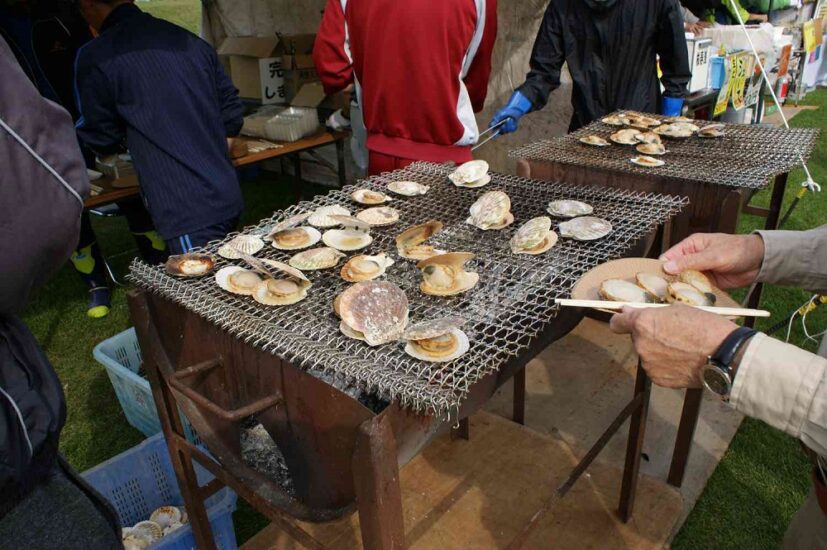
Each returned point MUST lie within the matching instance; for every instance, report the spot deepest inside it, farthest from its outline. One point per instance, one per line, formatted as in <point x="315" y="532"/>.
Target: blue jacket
<point x="159" y="90"/>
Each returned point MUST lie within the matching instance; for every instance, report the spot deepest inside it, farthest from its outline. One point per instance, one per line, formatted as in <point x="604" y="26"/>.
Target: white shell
<point x="482" y="182"/>
<point x="649" y="137"/>
<point x="625" y="137"/>
<point x="369" y="196"/>
<point x="698" y="280"/>
<point x="190" y="264"/>
<point x="595" y="141"/>
<point x="222" y="278"/>
<point x="712" y="131"/>
<point x="349" y="222"/>
<point x="345" y="329"/>
<point x="377" y="309"/>
<point x="569" y="209"/>
<point x="409" y="242"/>
<point x="248" y="244"/>
<point x="676" y="130"/>
<point x="619" y="290"/>
<point x="148" y="529"/>
<point x="647" y="162"/>
<point x="379" y="216"/>
<point x="688" y="294"/>
<point x="586" y="228"/>
<point x="469" y="173"/>
<point x="445" y="275"/>
<point x="491" y="211"/>
<point x="355" y="270"/>
<point x="534" y="237"/>
<point x="316" y="258"/>
<point x="346" y="239"/>
<point x="653" y="284"/>
<point x="463" y="345"/>
<point x="321" y="217"/>
<point x="282" y="272"/>
<point x="290" y="222"/>
<point x="651" y="149"/>
<point x="433" y="328"/>
<point x="615" y="120"/>
<point x="407" y="188"/>
<point x="313" y="236"/>
<point x="166" y="515"/>
<point x="135" y="542"/>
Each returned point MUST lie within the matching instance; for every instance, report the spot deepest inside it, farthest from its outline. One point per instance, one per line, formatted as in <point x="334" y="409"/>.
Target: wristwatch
<point x="717" y="374"/>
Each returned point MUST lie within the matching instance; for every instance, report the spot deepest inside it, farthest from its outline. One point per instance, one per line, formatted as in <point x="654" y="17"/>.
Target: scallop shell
<point x="626" y="137"/>
<point x="444" y="275"/>
<point x="316" y="258"/>
<point x="656" y="286"/>
<point x="491" y="211"/>
<point x="643" y="121"/>
<point x="458" y="339"/>
<point x="672" y="119"/>
<point x="148" y="529"/>
<point x="712" y="131"/>
<point x="379" y="216"/>
<point x="699" y="281"/>
<point x="569" y="208"/>
<point x="687" y="294"/>
<point x="295" y="238"/>
<point x="244" y="284"/>
<point x="377" y="309"/>
<point x="648" y="137"/>
<point x="289" y="285"/>
<point x="172" y="527"/>
<point x="365" y="268"/>
<point x="594" y="140"/>
<point x="190" y="265"/>
<point x="346" y="239"/>
<point x="248" y="244"/>
<point x="651" y="149"/>
<point x="369" y="196"/>
<point x="469" y="174"/>
<point x="409" y="242"/>
<point x="677" y="130"/>
<point x="619" y="290"/>
<point x="166" y="515"/>
<point x="289" y="223"/>
<point x="135" y="542"/>
<point x="433" y="328"/>
<point x="321" y="217"/>
<point x="615" y="120"/>
<point x="647" y="162"/>
<point x="534" y="237"/>
<point x="585" y="228"/>
<point x="350" y="332"/>
<point x="407" y="188"/>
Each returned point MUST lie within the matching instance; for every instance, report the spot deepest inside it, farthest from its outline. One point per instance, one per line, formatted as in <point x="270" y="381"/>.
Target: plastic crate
<point x="138" y="481"/>
<point x="121" y="356"/>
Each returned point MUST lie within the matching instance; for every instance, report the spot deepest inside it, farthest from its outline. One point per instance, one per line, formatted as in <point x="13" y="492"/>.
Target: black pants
<point x="199" y="238"/>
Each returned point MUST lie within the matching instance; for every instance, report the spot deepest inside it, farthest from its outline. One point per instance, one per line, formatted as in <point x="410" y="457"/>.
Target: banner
<point x="723" y="94"/>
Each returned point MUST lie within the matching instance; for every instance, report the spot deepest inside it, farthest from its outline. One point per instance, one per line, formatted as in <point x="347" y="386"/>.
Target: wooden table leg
<point x="634" y="445"/>
<point x="462" y="429"/>
<point x="686" y="431"/>
<point x="518" y="415"/>
<point x="376" y="479"/>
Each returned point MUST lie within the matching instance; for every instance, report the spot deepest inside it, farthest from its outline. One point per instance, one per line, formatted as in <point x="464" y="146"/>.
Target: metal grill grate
<point x="746" y="156"/>
<point x="513" y="302"/>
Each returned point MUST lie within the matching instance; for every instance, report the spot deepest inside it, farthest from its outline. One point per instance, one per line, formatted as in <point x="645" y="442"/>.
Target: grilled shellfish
<point x="615" y="120"/>
<point x="711" y="131"/>
<point x="316" y="258"/>
<point x="685" y="293"/>
<point x="699" y="281"/>
<point x="364" y="268"/>
<point x="246" y="244"/>
<point x="656" y="286"/>
<point x="648" y="137"/>
<point x="626" y="137"/>
<point x="619" y="290"/>
<point x="677" y="130"/>
<point x="190" y="264"/>
<point x="569" y="209"/>
<point x="444" y="275"/>
<point x="491" y="211"/>
<point x="646" y="161"/>
<point x="379" y="216"/>
<point x="290" y="222"/>
<point x="288" y="286"/>
<point x="651" y="149"/>
<point x="409" y="242"/>
<point x="534" y="237"/>
<point x="237" y="280"/>
<point x="438" y="341"/>
<point x="354" y="236"/>
<point x="375" y="310"/>
<point x="322" y="219"/>
<point x="368" y="196"/>
<point x="407" y="188"/>
<point x="585" y="228"/>
<point x="594" y="140"/>
<point x="473" y="173"/>
<point x="295" y="238"/>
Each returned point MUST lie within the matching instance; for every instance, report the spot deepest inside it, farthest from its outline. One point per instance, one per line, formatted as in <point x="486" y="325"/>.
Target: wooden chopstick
<point x="603" y="304"/>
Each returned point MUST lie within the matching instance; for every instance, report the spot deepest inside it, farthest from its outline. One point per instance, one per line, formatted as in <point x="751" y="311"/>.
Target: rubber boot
<point x="151" y="247"/>
<point x="89" y="264"/>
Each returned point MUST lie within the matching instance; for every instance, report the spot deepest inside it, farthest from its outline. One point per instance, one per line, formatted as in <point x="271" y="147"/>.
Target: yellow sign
<point x="741" y="69"/>
<point x="809" y="32"/>
<point x="723" y="94"/>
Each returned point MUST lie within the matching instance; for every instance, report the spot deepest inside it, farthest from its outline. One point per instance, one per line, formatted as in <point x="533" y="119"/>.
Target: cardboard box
<point x="270" y="69"/>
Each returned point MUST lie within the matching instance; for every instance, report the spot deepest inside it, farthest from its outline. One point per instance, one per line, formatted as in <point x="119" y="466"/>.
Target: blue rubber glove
<point x="513" y="111"/>
<point x="671" y="106"/>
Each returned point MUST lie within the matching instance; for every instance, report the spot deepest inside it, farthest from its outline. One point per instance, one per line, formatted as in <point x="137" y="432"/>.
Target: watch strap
<point x="728" y="349"/>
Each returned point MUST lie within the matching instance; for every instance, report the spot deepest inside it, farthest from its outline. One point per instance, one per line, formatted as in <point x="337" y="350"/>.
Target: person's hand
<point x="511" y="113"/>
<point x="673" y="342"/>
<point x="694" y="28"/>
<point x="731" y="261"/>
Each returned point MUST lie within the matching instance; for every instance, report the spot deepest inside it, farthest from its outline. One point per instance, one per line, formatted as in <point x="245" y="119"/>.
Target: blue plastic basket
<point x="121" y="357"/>
<point x="138" y="481"/>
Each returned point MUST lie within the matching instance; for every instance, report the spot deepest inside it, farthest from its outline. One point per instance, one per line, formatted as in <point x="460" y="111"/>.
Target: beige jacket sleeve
<point x="779" y="383"/>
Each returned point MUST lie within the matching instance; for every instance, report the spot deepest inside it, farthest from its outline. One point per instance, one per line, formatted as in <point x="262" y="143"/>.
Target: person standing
<point x="160" y="91"/>
<point x="420" y="71"/>
<point x="611" y="48"/>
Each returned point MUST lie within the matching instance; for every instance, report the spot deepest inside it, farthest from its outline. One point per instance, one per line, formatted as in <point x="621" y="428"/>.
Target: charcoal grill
<point x="717" y="175"/>
<point x="224" y="358"/>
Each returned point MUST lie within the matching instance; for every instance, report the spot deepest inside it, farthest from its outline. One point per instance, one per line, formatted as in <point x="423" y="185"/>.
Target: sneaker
<point x="100" y="302"/>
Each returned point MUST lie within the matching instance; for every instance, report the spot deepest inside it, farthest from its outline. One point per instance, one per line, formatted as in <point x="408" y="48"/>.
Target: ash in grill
<point x="511" y="305"/>
<point x="745" y="156"/>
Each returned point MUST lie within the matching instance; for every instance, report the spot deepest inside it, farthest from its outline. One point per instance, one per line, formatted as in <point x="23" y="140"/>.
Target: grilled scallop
<point x="656" y="286"/>
<point x="619" y="290"/>
<point x="445" y="275"/>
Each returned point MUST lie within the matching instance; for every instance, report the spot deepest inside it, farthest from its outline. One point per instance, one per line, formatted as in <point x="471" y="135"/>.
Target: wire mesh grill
<point x="511" y="305"/>
<point x="746" y="156"/>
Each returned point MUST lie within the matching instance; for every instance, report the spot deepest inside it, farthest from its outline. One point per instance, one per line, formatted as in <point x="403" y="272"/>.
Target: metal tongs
<point x="492" y="136"/>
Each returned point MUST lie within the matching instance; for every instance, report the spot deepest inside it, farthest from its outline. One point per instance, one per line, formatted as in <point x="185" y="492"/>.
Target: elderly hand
<point x="731" y="261"/>
<point x="673" y="342"/>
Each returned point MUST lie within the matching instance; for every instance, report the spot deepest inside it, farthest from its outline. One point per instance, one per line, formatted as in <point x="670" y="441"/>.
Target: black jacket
<point x="610" y="48"/>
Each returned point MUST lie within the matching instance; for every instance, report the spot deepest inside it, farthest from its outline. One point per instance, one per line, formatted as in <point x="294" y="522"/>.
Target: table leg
<point x="518" y="415"/>
<point x="634" y="445"/>
<point x="340" y="157"/>
<point x="462" y="430"/>
<point x="376" y="479"/>
<point x="686" y="431"/>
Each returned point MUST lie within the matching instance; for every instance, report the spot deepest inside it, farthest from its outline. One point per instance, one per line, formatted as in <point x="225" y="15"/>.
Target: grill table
<point x="718" y="175"/>
<point x="223" y="358"/>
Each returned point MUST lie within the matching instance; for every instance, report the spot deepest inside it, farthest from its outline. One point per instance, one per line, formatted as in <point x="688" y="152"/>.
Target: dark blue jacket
<point x="161" y="91"/>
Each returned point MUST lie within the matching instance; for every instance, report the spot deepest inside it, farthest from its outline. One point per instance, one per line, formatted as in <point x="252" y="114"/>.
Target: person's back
<point x="163" y="89"/>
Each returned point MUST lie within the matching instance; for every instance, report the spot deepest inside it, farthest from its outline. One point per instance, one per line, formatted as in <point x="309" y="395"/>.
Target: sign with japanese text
<point x="271" y="75"/>
<point x="723" y="94"/>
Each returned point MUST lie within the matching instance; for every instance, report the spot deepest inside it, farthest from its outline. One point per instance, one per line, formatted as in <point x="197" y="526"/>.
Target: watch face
<point x="716" y="380"/>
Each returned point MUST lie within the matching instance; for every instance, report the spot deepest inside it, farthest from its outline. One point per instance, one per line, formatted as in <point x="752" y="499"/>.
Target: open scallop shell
<point x="247" y="244"/>
<point x="569" y="208"/>
<point x="432" y="328"/>
<point x="289" y="223"/>
<point x="345" y="329"/>
<point x="712" y="131"/>
<point x="295" y="238"/>
<point x="379" y="216"/>
<point x="439" y="349"/>
<point x="470" y="174"/>
<point x="148" y="529"/>
<point x="444" y="275"/>
<point x="656" y="286"/>
<point x="676" y="130"/>
<point x="648" y="137"/>
<point x="346" y="239"/>
<point x="646" y="161"/>
<point x="595" y="141"/>
<point x="190" y="264"/>
<point x="369" y="196"/>
<point x="288" y="286"/>
<point x="166" y="516"/>
<point x="685" y="293"/>
<point x="407" y="188"/>
<point x="619" y="290"/>
<point x="237" y="280"/>
<point x="316" y="258"/>
<point x="651" y="149"/>
<point x="491" y="211"/>
<point x="376" y="309"/>
<point x="626" y="137"/>
<point x="365" y="268"/>
<point x="322" y="219"/>
<point x="672" y="119"/>
<point x="534" y="237"/>
<point x="585" y="228"/>
<point x="409" y="243"/>
<point x="615" y="120"/>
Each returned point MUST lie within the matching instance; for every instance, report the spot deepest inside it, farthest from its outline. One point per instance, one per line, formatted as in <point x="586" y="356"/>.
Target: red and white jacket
<point x="420" y="69"/>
